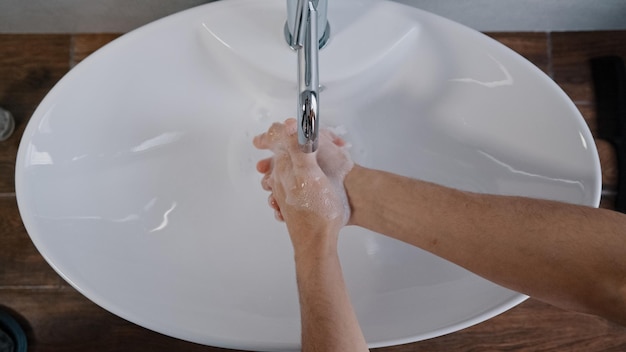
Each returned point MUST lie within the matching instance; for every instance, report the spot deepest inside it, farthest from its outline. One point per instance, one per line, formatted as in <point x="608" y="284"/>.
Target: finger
<point x="266" y="182"/>
<point x="269" y="139"/>
<point x="291" y="126"/>
<point x="264" y="166"/>
<point x="258" y="141"/>
<point x="272" y="202"/>
<point x="338" y="141"/>
<point x="279" y="216"/>
<point x="300" y="160"/>
<point x="297" y="158"/>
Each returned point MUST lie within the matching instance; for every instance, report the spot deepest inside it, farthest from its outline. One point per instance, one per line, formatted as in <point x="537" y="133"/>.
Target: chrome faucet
<point x="307" y="31"/>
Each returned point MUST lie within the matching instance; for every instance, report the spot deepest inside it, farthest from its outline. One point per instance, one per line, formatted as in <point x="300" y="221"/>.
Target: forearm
<point x="570" y="256"/>
<point x="313" y="207"/>
<point x="328" y="319"/>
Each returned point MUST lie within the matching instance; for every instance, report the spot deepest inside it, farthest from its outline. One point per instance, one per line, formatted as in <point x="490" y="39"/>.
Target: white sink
<point x="136" y="175"/>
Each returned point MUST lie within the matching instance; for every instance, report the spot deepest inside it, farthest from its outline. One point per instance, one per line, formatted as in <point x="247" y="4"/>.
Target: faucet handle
<point x="298" y="13"/>
<point x="302" y="15"/>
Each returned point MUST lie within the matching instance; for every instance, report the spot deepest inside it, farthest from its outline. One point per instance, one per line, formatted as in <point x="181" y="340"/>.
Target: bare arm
<point x="314" y="206"/>
<point x="573" y="257"/>
<point x="328" y="319"/>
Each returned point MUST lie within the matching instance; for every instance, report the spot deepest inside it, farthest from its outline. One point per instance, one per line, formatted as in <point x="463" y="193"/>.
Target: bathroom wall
<point x="80" y="16"/>
<point x="530" y="15"/>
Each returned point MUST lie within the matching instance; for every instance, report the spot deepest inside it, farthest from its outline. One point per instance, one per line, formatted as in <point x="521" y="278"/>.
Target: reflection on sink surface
<point x="135" y="177"/>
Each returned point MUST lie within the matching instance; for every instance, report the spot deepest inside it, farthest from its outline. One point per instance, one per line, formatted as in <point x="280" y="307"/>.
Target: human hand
<point x="307" y="189"/>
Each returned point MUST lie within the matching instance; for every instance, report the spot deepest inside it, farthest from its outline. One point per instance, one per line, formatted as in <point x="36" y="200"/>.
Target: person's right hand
<point x="307" y="189"/>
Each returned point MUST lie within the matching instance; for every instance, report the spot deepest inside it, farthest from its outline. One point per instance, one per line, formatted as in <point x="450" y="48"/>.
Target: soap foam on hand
<point x="337" y="171"/>
<point x="339" y="131"/>
<point x="354" y="144"/>
<point x="309" y="188"/>
<point x="312" y="194"/>
<point x="336" y="163"/>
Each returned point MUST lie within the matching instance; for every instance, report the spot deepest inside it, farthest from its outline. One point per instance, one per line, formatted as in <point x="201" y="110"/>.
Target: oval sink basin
<point x="136" y="175"/>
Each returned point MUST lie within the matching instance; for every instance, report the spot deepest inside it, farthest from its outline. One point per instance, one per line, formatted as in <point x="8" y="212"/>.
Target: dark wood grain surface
<point x="29" y="66"/>
<point x="58" y="318"/>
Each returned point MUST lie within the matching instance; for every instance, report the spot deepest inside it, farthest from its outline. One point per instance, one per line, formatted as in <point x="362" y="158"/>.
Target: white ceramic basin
<point x="135" y="177"/>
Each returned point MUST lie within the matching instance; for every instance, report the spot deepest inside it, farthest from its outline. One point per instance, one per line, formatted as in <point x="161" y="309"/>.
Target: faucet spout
<point x="308" y="79"/>
<point x="302" y="34"/>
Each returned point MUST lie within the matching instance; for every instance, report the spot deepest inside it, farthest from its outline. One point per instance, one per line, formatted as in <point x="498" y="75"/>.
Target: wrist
<point x="315" y="247"/>
<point x="308" y="262"/>
<point x="357" y="191"/>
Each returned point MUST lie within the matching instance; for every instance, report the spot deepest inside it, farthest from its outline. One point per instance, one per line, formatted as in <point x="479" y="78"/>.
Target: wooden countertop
<point x="58" y="318"/>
